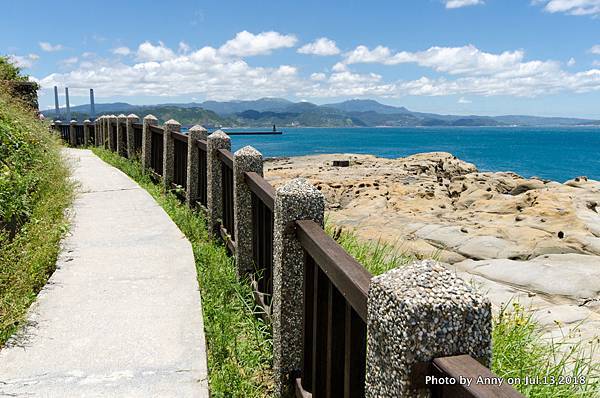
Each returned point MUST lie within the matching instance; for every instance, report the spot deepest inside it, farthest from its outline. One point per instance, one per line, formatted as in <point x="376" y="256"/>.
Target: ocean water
<point x="553" y="153"/>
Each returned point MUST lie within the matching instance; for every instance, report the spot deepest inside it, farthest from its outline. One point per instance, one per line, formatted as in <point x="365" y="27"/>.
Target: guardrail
<point x="337" y="330"/>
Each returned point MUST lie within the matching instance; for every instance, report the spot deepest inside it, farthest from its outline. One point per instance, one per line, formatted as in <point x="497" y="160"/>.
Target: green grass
<point x="377" y="257"/>
<point x="34" y="193"/>
<point x="520" y="351"/>
<point x="239" y="343"/>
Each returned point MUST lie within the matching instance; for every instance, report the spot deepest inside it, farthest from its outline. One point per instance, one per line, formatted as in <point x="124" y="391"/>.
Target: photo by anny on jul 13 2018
<point x="293" y="200"/>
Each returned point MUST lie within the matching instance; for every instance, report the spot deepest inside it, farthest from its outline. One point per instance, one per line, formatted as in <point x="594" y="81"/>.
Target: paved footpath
<point x="121" y="316"/>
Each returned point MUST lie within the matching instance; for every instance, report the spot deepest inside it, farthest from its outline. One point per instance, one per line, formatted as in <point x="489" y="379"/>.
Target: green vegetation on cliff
<point x="34" y="193"/>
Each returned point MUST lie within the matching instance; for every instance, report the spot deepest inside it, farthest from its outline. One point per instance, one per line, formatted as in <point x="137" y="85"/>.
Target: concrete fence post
<point x="86" y="132"/>
<point x="121" y="148"/>
<point x="296" y="200"/>
<point x="193" y="161"/>
<point x="169" y="152"/>
<point x="149" y="120"/>
<point x="417" y="313"/>
<point x="131" y="118"/>
<point x="72" y="134"/>
<point x="215" y="141"/>
<point x="245" y="160"/>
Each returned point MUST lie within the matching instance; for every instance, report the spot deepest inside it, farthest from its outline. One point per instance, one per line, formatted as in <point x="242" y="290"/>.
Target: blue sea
<point x="553" y="153"/>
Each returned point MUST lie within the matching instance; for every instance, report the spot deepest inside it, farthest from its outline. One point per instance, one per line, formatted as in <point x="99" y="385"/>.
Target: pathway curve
<point x="121" y="316"/>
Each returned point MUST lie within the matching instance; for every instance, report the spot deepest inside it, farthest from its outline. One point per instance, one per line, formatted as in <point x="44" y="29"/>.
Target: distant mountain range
<point x="265" y="112"/>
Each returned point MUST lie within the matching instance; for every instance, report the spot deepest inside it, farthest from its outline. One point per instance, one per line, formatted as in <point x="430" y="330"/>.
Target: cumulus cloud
<point x="45" y="46"/>
<point x="595" y="49"/>
<point x="246" y="44"/>
<point x="223" y="73"/>
<point x="453" y="60"/>
<point x="321" y="46"/>
<point x="24" y="61"/>
<point x="571" y="62"/>
<point x="571" y="7"/>
<point x="121" y="51"/>
<point x="462" y="3"/>
<point x="149" y="52"/>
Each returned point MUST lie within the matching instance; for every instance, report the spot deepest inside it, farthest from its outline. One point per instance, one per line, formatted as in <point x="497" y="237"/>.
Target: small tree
<point x="10" y="71"/>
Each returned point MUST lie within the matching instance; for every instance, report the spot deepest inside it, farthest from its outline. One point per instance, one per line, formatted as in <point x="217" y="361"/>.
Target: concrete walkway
<point x="121" y="316"/>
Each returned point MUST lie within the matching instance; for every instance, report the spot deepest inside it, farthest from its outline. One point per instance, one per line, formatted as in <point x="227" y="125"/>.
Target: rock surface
<point x="529" y="239"/>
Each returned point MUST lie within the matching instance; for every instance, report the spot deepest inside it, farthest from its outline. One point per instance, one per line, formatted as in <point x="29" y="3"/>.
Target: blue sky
<point x="449" y="56"/>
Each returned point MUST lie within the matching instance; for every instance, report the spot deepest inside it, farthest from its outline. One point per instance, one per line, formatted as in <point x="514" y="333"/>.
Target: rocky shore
<point x="525" y="239"/>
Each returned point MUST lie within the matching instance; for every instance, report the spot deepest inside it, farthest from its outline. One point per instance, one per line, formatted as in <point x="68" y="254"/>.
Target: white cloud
<point x="595" y="49"/>
<point x="339" y="67"/>
<point x="453" y="60"/>
<point x="463" y="100"/>
<point x="69" y="61"/>
<point x="362" y="54"/>
<point x="246" y="44"/>
<point x="571" y="7"/>
<point x="24" y="61"/>
<point x="462" y="3"/>
<point x="571" y="62"/>
<point x="149" y="52"/>
<point x="318" y="76"/>
<point x="124" y="51"/>
<point x="184" y="47"/>
<point x="45" y="46"/>
<point x="321" y="46"/>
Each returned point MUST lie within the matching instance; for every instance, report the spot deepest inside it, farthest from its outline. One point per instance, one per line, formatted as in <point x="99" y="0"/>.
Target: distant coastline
<point x="266" y="112"/>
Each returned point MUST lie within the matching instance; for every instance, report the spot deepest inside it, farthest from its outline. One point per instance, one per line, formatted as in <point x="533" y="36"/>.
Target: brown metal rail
<point x="202" y="173"/>
<point x="335" y="313"/>
<point x="180" y="154"/>
<point x="227" y="216"/>
<point x="156" y="150"/>
<point x="263" y="202"/>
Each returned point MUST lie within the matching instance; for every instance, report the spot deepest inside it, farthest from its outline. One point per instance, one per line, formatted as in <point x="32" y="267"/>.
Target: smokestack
<point x="56" y="107"/>
<point x="68" y="106"/>
<point x="92" y="105"/>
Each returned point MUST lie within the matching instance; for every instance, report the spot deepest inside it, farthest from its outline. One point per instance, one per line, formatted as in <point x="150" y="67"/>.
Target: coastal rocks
<point x="466" y="214"/>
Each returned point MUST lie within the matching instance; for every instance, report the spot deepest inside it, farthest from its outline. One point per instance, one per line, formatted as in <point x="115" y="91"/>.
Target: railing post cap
<point x="87" y="121"/>
<point x="172" y="122"/>
<point x="300" y="187"/>
<point x="150" y="117"/>
<point x="247" y="151"/>
<point x="73" y="121"/>
<point x="121" y="116"/>
<point x="132" y="116"/>
<point x="219" y="134"/>
<point x="198" y="127"/>
<point x="58" y="121"/>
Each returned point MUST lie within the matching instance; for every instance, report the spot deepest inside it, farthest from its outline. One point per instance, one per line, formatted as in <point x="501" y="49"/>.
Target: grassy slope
<point x="34" y="192"/>
<point x="239" y="343"/>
